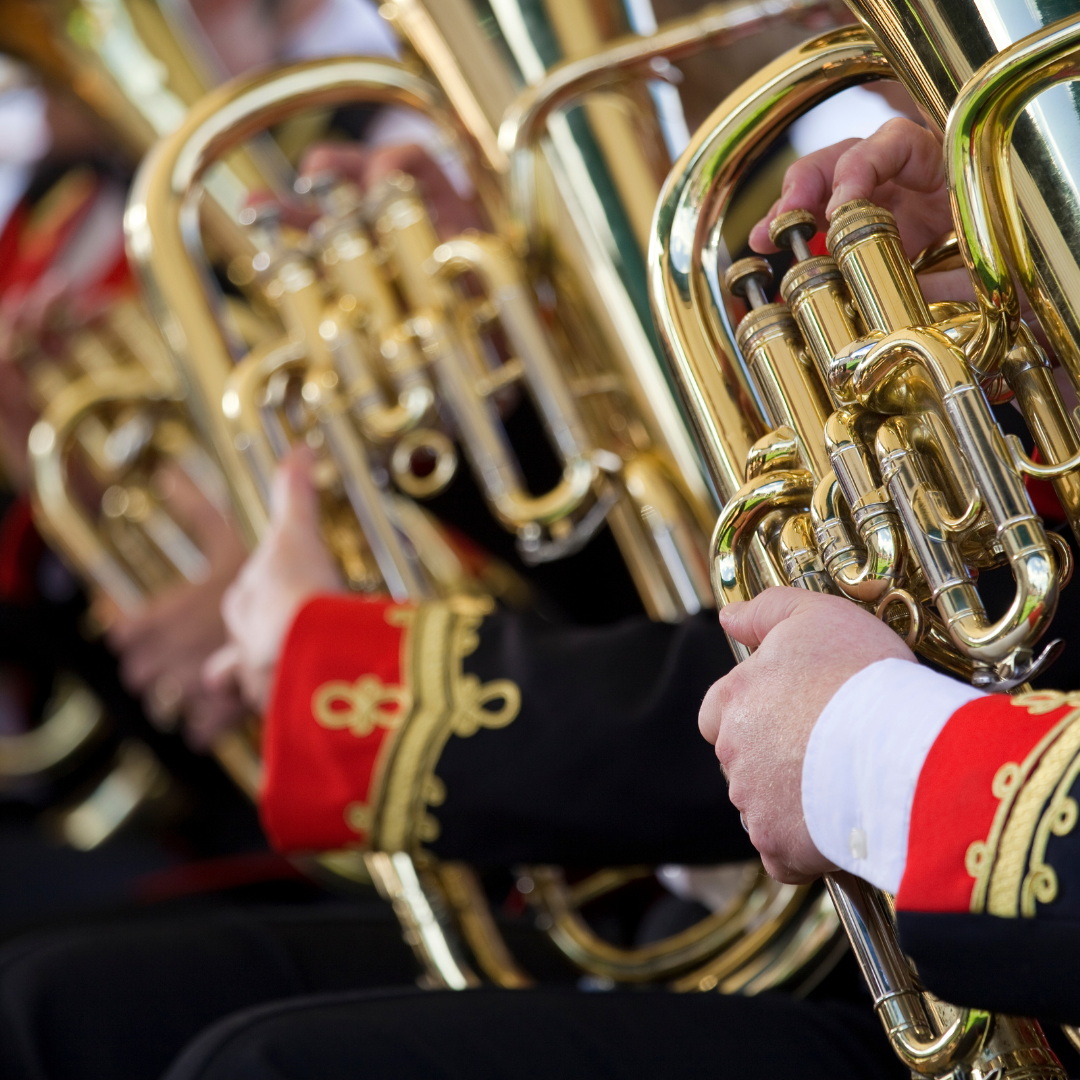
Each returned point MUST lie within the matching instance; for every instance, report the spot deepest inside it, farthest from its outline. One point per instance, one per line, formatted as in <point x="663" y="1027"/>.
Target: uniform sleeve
<point x="496" y="737"/>
<point x="989" y="904"/>
<point x="964" y="805"/>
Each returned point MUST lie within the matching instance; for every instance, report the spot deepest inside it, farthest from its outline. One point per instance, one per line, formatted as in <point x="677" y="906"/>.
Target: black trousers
<point x="302" y="993"/>
<point x="542" y="1035"/>
<point x="119" y="1001"/>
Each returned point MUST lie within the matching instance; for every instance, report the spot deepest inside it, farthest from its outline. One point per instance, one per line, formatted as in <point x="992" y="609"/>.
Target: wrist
<point x="863" y="761"/>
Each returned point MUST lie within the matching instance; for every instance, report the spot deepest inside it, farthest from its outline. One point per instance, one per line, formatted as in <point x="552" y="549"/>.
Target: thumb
<point x="292" y="497"/>
<point x="749" y="622"/>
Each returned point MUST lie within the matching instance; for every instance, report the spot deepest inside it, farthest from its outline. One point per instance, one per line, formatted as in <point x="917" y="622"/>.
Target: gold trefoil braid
<point x="1009" y="866"/>
<point x="360" y="706"/>
<point x="437" y="699"/>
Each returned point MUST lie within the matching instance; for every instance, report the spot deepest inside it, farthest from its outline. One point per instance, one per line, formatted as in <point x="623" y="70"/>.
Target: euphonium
<point x="359" y="364"/>
<point x="848" y="428"/>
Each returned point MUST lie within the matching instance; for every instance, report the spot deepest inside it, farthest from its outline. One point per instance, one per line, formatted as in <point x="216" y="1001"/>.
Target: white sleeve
<point x="863" y="763"/>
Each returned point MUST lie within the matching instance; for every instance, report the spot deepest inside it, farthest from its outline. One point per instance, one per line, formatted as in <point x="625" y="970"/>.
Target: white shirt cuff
<point x="863" y="763"/>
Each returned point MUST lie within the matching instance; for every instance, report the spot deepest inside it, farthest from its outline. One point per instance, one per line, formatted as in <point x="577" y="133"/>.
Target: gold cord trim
<point x="436" y="699"/>
<point x="1009" y="866"/>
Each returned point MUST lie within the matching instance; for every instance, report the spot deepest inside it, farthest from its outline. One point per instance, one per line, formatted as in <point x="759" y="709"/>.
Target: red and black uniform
<point x="495" y="736"/>
<point x="989" y="903"/>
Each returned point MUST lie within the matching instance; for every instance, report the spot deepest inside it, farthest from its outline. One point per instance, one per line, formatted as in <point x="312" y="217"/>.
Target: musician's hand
<point x="900" y="167"/>
<point x="286" y="570"/>
<point x="162" y="649"/>
<point x="760" y="715"/>
<point x="366" y="166"/>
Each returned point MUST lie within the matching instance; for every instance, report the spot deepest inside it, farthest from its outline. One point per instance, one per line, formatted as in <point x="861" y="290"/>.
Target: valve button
<point x="749" y="278"/>
<point x="793" y="230"/>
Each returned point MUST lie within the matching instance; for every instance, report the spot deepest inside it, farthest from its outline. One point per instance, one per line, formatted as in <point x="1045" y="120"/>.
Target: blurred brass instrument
<point x="848" y="427"/>
<point x="380" y="358"/>
<point x="110" y="402"/>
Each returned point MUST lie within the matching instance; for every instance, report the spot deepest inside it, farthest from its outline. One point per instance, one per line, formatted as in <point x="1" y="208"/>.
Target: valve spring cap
<point x="785" y="227"/>
<point x="741" y="276"/>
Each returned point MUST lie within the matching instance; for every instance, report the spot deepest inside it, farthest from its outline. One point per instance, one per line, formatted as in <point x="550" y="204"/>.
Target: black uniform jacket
<point x="496" y="737"/>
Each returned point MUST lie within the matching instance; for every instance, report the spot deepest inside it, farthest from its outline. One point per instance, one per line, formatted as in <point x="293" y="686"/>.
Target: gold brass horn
<point x="107" y="428"/>
<point x="874" y="468"/>
<point x="115" y="383"/>
<point x="358" y="378"/>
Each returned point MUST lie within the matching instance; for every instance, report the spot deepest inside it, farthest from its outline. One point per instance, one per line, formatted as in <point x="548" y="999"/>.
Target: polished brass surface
<point x="692" y="319"/>
<point x="937" y="47"/>
<point x="71" y="721"/>
<point x="918" y="489"/>
<point x="122" y="59"/>
<point x="738" y="932"/>
<point x="356" y="368"/>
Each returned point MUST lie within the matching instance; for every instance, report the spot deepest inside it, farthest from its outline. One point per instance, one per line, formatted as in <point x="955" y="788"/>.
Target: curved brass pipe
<point x="67" y="523"/>
<point x="162" y="215"/>
<point x="865" y="579"/>
<point x="752" y="910"/>
<point x="866" y="913"/>
<point x="489" y="259"/>
<point x="691" y="319"/>
<point x="629" y="59"/>
<point x="978" y="140"/>
<point x="253" y="439"/>
<point x="787" y="489"/>
<point x="978" y="137"/>
<point x="874" y="516"/>
<point x="1019" y="530"/>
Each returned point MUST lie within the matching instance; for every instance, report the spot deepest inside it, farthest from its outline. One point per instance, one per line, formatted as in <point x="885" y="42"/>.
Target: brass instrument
<point x="110" y="401"/>
<point x="873" y="467"/>
<point x="111" y="416"/>
<point x="358" y="365"/>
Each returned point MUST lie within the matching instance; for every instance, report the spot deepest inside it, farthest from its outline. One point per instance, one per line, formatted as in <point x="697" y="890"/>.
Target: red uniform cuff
<point x="337" y="694"/>
<point x="993" y="789"/>
<point x="366" y="695"/>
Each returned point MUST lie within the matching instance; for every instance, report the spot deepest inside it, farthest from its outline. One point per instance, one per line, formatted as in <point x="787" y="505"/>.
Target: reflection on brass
<point x="135" y="778"/>
<point x="387" y="341"/>
<point x="908" y="482"/>
<point x="740" y="941"/>
<point x="72" y="720"/>
<point x="109" y="397"/>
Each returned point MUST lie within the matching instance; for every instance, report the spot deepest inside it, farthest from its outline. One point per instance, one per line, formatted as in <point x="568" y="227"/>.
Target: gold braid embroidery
<point x="437" y="699"/>
<point x="369" y="703"/>
<point x="449" y="701"/>
<point x="1009" y="867"/>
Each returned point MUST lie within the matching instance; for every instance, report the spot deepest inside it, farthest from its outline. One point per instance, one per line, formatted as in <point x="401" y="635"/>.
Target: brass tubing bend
<point x="629" y="59"/>
<point x="690" y="316"/>
<point x="789" y="489"/>
<point x="1018" y="528"/>
<point x="978" y="138"/>
<point x="867" y="916"/>
<point x="865" y="579"/>
<point x="66" y="521"/>
<point x="852" y="476"/>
